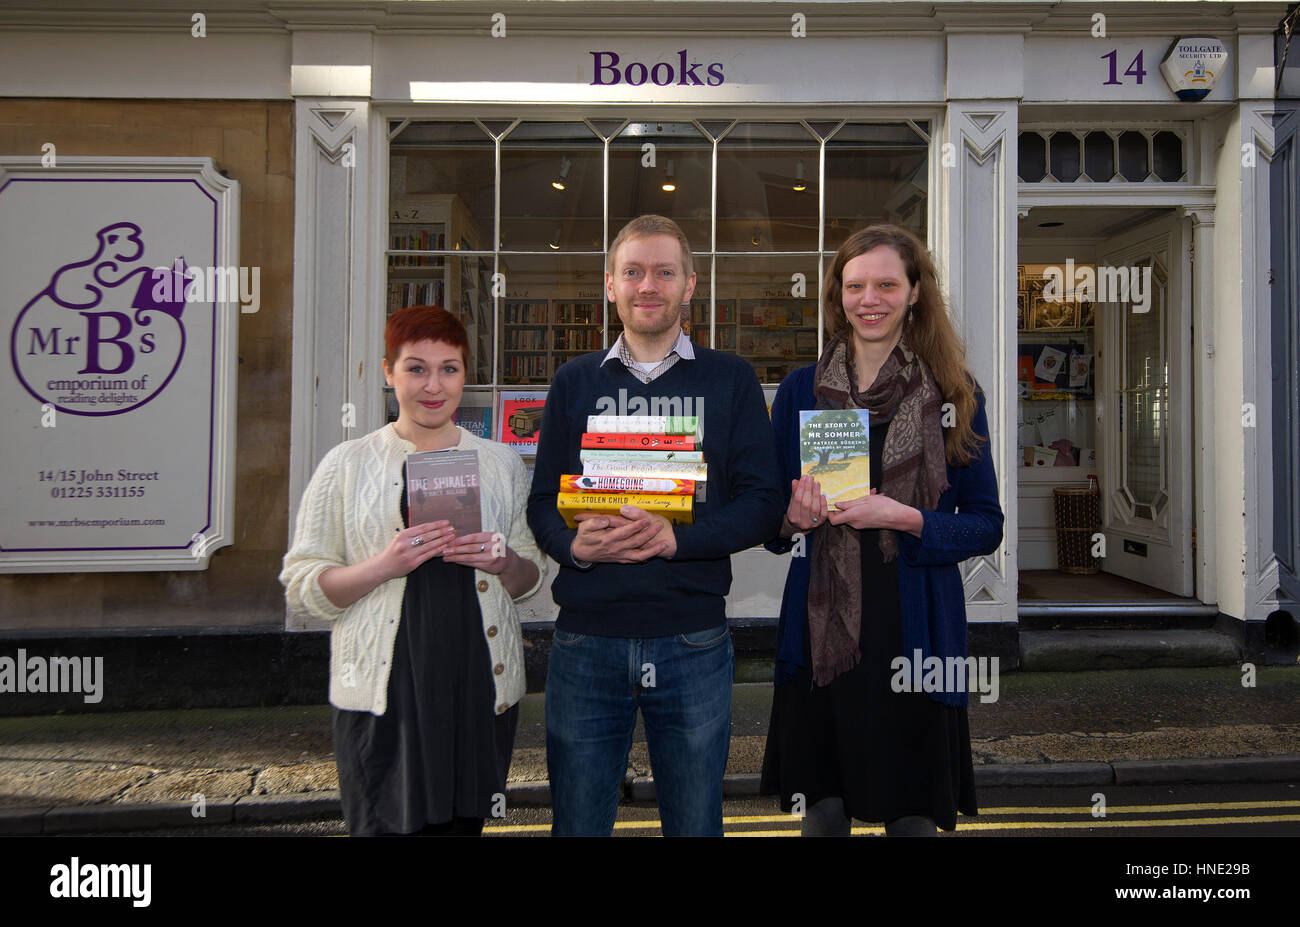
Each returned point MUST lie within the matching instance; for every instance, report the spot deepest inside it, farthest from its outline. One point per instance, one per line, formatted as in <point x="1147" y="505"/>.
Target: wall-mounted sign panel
<point x="1194" y="66"/>
<point x="1113" y="70"/>
<point x="120" y="310"/>
<point x="643" y="69"/>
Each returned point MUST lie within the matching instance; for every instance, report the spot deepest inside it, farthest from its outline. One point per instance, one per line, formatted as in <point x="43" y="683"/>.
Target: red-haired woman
<point x="880" y="579"/>
<point x="426" y="657"/>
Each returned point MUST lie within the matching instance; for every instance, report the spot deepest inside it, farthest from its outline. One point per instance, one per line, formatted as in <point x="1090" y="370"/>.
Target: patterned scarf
<point x="913" y="471"/>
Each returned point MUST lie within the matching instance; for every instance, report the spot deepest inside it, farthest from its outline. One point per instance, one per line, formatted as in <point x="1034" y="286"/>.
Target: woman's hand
<point x="877" y="511"/>
<point x="807" y="508"/>
<point x="402" y="555"/>
<point x="482" y="550"/>
<point x="488" y="551"/>
<point x="345" y="585"/>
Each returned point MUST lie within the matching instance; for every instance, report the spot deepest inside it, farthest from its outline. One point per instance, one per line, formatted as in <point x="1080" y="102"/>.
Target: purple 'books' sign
<point x="120" y="312"/>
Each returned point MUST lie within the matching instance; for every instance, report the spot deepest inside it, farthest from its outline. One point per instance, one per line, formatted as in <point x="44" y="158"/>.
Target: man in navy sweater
<point x="642" y="621"/>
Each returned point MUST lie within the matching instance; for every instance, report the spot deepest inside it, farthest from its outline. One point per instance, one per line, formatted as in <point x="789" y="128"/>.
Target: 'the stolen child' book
<point x="835" y="448"/>
<point x="443" y="485"/>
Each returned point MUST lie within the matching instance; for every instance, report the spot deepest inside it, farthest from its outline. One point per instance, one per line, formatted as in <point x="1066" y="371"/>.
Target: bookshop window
<point x="535" y="202"/>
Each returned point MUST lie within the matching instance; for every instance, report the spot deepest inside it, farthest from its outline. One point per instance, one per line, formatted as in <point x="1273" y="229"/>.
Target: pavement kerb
<point x="268" y="809"/>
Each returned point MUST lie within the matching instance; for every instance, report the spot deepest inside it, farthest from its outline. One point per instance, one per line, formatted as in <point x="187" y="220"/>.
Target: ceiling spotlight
<point x="799" y="185"/>
<point x="554" y="243"/>
<point x="754" y="239"/>
<point x="668" y="185"/>
<point x="565" y="164"/>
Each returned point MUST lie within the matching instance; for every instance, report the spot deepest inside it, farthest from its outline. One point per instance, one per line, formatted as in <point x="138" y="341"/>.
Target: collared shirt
<point x="681" y="350"/>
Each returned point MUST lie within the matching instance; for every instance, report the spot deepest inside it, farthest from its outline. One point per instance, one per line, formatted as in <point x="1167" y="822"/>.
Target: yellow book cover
<point x="677" y="509"/>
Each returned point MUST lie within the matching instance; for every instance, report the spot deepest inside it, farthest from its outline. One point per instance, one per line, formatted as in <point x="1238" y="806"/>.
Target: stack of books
<point x="655" y="462"/>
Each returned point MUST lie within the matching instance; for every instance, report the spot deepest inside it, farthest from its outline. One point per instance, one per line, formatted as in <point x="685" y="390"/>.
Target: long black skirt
<point x="440" y="751"/>
<point x="886" y="754"/>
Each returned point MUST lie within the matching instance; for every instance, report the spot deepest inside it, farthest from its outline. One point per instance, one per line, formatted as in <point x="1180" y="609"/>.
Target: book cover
<point x="444" y="485"/>
<point x="519" y="419"/>
<point x="835" y="449"/>
<point x="643" y="442"/>
<point x="652" y="456"/>
<point x="575" y="483"/>
<point x="677" y="509"/>
<point x="644" y="424"/>
<point x="668" y="469"/>
<point x="477" y="420"/>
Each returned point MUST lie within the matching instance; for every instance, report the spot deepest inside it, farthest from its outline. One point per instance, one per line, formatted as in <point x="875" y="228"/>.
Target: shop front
<point x="483" y="157"/>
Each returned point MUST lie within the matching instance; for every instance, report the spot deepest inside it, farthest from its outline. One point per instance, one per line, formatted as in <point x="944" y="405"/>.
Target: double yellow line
<point x="965" y="824"/>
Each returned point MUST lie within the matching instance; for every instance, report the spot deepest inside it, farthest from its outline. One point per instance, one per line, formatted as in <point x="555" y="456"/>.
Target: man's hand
<point x="664" y="528"/>
<point x="615" y="539"/>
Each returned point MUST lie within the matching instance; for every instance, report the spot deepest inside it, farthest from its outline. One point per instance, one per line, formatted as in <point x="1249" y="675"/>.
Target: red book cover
<point x="632" y="442"/>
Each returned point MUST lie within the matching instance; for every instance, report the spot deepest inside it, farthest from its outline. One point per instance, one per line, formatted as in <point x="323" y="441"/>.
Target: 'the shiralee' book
<point x="835" y="448"/>
<point x="443" y="485"/>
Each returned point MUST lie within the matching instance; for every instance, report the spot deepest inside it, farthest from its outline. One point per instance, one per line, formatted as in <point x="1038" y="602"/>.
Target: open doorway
<point x="1103" y="382"/>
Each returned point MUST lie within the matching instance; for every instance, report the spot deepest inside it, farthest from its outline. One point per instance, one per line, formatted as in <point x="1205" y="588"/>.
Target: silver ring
<point x="481" y="548"/>
<point x="417" y="541"/>
<point x="814" y="519"/>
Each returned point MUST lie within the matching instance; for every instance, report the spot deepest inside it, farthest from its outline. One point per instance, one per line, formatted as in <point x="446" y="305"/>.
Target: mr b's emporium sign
<point x="120" y="307"/>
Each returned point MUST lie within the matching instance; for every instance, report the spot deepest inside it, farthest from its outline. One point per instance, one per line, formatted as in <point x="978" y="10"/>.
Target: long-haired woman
<point x="878" y="581"/>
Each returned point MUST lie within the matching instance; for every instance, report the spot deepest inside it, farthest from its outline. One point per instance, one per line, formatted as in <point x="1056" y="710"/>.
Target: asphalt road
<point x="1271" y="809"/>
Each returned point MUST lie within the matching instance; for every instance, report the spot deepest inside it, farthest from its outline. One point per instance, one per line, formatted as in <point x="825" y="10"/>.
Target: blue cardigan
<point x="930" y="590"/>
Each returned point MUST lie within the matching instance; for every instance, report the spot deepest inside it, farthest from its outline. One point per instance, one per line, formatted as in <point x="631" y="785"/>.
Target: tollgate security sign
<point x="118" y="394"/>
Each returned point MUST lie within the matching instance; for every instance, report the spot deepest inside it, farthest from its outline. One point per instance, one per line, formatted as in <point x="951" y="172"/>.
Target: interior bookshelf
<point x="437" y="227"/>
<point x="538" y="335"/>
<point x="776" y="335"/>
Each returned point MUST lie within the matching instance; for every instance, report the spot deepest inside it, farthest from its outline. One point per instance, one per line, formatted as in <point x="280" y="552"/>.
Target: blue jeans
<point x="681" y="684"/>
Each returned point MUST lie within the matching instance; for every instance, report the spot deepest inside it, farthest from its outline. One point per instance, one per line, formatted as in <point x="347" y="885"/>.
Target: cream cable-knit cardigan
<point x="349" y="513"/>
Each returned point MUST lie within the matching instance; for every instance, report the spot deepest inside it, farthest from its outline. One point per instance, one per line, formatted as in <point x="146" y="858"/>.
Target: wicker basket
<point x="1078" y="518"/>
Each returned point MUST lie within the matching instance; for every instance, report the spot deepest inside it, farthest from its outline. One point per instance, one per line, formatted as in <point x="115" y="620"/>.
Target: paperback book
<point x="677" y="509"/>
<point x="668" y="469"/>
<point x="644" y="424"/>
<point x="578" y="483"/>
<point x="444" y="485"/>
<point x="835" y="449"/>
<point x="652" y="456"/>
<point x="639" y="442"/>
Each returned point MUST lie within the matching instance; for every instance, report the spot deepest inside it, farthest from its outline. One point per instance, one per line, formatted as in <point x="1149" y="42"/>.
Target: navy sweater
<point x="742" y="506"/>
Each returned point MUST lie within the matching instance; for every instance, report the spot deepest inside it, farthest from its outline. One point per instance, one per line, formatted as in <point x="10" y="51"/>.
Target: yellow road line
<point x="964" y="824"/>
<point x="1144" y="809"/>
<point x="1106" y="822"/>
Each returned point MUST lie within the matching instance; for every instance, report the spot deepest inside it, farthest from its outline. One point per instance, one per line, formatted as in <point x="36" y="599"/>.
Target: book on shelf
<point x="444" y="485"/>
<point x="426" y="293"/>
<point x="642" y="442"/>
<point x="571" y="482"/>
<point x="477" y="420"/>
<point x="676" y="508"/>
<point x="421" y="240"/>
<point x="519" y="419"/>
<point x="835" y="449"/>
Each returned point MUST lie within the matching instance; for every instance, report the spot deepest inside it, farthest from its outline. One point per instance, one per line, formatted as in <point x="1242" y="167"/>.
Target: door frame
<point x="1195" y="205"/>
<point x="1172" y="569"/>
